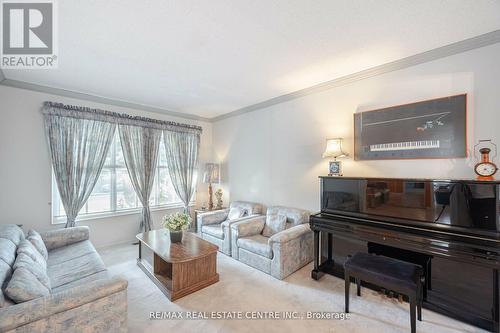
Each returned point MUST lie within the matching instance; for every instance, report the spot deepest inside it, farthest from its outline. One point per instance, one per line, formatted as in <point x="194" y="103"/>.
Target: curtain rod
<point x="65" y="110"/>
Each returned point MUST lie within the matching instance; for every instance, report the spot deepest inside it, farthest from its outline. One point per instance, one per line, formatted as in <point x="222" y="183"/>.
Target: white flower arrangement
<point x="176" y="222"/>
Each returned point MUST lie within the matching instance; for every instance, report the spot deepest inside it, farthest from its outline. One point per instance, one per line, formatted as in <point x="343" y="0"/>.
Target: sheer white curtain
<point x="140" y="150"/>
<point x="78" y="149"/>
<point x="182" y="150"/>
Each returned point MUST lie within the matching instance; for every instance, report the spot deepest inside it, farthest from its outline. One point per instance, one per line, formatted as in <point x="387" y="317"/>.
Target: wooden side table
<point x="201" y="211"/>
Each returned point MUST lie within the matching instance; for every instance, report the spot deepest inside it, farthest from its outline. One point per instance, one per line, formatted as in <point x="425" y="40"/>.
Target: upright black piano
<point x="450" y="227"/>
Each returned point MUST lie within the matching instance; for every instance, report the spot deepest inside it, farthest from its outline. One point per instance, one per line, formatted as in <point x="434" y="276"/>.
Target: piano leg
<point x="316" y="273"/>
<point x="330" y="247"/>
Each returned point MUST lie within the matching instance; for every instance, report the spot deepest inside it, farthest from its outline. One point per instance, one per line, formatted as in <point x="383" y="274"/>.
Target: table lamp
<point x="334" y="149"/>
<point x="211" y="176"/>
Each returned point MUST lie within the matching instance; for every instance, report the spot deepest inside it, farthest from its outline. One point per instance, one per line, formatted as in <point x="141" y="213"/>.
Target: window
<point x="114" y="194"/>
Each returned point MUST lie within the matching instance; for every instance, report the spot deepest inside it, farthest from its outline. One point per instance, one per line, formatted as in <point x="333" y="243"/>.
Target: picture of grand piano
<point x="428" y="129"/>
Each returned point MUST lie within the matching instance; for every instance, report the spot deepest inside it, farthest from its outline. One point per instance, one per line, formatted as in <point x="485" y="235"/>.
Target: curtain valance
<point x="63" y="110"/>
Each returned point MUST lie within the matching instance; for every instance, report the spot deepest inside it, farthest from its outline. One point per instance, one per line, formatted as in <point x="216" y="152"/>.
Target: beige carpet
<point x="242" y="288"/>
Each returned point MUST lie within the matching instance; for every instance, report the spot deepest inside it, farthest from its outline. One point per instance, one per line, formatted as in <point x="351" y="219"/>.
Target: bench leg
<point x="420" y="298"/>
<point x="419" y="311"/>
<point x="413" y="305"/>
<point x="347" y="279"/>
<point x="358" y="284"/>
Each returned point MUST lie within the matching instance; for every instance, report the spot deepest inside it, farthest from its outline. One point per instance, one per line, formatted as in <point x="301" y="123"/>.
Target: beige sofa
<point x="81" y="298"/>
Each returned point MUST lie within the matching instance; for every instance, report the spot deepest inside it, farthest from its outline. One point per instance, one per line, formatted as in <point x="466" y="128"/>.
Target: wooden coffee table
<point x="178" y="269"/>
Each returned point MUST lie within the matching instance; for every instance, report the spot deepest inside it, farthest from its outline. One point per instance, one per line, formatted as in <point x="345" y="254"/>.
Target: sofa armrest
<point x="248" y="227"/>
<point x="38" y="309"/>
<point x="62" y="237"/>
<point x="292" y="249"/>
<point x="290" y="234"/>
<point x="211" y="218"/>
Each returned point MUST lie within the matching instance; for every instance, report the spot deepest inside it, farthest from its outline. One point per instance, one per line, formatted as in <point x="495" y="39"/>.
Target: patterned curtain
<point x="78" y="149"/>
<point x="140" y="150"/>
<point x="182" y="160"/>
<point x="79" y="140"/>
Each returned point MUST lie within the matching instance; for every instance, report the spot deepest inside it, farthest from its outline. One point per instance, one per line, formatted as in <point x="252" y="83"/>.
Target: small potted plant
<point x="175" y="223"/>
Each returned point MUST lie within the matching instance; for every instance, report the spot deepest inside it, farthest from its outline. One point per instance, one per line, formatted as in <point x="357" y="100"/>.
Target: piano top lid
<point x="467" y="180"/>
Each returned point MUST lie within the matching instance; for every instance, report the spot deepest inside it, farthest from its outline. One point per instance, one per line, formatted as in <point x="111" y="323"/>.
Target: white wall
<point x="25" y="171"/>
<point x="273" y="155"/>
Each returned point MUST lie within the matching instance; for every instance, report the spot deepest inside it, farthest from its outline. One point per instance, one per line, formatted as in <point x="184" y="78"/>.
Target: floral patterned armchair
<point x="215" y="226"/>
<point x="280" y="253"/>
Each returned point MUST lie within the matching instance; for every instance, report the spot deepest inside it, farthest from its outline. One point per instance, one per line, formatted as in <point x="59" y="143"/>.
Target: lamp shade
<point x="334" y="148"/>
<point x="211" y="173"/>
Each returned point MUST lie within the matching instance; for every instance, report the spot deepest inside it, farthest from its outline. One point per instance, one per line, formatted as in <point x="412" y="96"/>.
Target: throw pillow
<point x="235" y="213"/>
<point x="7" y="251"/>
<point x="25" y="261"/>
<point x="37" y="241"/>
<point x="24" y="286"/>
<point x="274" y="224"/>
<point x="27" y="248"/>
<point x="12" y="232"/>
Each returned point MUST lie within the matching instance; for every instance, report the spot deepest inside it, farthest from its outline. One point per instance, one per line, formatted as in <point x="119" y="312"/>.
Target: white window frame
<point x="61" y="219"/>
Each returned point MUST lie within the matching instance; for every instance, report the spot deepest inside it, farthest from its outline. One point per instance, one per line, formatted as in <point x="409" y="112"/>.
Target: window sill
<point x="97" y="216"/>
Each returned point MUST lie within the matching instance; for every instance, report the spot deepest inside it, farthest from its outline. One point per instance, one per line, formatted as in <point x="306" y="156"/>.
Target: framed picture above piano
<point x="434" y="128"/>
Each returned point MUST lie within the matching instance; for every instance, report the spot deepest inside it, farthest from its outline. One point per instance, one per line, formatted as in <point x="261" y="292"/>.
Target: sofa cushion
<point x="24" y="286"/>
<point x="12" y="232"/>
<point x="68" y="252"/>
<point x="82" y="281"/>
<point x="37" y="269"/>
<point x="74" y="269"/>
<point x="274" y="224"/>
<point x="7" y="251"/>
<point x="256" y="261"/>
<point x="294" y="216"/>
<point x="257" y="244"/>
<point x="213" y="230"/>
<point x="35" y="239"/>
<point x="235" y="213"/>
<point x="27" y="248"/>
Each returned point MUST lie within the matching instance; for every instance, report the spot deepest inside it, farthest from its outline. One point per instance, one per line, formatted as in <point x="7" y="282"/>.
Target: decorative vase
<point x="176" y="236"/>
<point x="218" y="195"/>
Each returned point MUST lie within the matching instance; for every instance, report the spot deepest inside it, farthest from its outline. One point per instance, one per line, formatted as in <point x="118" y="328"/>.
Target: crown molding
<point x="490" y="38"/>
<point x="97" y="99"/>
<point x="420" y="58"/>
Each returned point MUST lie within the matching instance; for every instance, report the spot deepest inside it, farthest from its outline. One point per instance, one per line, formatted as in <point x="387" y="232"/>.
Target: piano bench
<point x="389" y="273"/>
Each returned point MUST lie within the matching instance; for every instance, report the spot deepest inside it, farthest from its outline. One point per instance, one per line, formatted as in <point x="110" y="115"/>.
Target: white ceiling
<point x="208" y="58"/>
